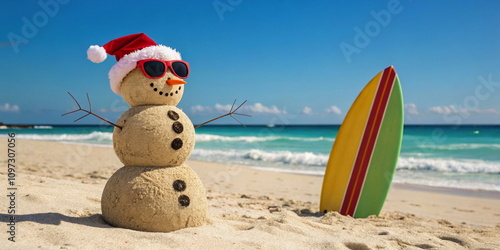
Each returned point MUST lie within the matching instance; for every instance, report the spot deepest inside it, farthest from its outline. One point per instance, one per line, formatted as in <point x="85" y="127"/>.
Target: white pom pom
<point x="96" y="54"/>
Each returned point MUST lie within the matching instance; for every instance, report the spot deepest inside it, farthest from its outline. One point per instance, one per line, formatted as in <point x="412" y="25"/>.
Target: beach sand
<point x="59" y="189"/>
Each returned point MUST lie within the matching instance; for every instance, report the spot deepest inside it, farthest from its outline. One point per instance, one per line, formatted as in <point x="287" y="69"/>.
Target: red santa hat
<point x="128" y="50"/>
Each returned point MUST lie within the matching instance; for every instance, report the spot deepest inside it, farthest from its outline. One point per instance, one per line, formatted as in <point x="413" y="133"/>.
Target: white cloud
<point x="9" y="108"/>
<point x="452" y="109"/>
<point x="484" y="111"/>
<point x="109" y="110"/>
<point x="306" y="111"/>
<point x="223" y="108"/>
<point x="334" y="110"/>
<point x="411" y="109"/>
<point x="260" y="108"/>
<point x="201" y="109"/>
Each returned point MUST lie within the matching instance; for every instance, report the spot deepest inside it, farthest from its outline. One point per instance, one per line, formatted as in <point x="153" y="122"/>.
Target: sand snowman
<point x="155" y="190"/>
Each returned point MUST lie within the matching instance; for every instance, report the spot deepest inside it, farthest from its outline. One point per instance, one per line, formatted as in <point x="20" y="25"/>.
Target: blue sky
<point x="296" y="62"/>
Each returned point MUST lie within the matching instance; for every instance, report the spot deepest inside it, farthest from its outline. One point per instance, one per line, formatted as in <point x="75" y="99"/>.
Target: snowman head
<point x="145" y="72"/>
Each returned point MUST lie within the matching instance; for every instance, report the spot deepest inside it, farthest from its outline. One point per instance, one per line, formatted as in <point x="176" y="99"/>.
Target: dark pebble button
<point x="176" y="143"/>
<point x="179" y="185"/>
<point x="177" y="127"/>
<point x="173" y="115"/>
<point x="184" y="200"/>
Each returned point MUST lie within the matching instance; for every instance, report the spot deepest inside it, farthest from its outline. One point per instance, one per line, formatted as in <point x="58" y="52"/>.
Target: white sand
<point x="60" y="186"/>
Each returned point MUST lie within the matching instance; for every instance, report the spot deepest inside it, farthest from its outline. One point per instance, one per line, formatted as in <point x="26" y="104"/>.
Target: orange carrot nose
<point x="175" y="82"/>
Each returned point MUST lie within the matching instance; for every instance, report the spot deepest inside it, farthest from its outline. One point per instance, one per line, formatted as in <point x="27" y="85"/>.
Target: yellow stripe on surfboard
<point x="343" y="155"/>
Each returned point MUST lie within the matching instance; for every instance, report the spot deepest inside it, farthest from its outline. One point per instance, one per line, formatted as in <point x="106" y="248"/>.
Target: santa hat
<point x="128" y="50"/>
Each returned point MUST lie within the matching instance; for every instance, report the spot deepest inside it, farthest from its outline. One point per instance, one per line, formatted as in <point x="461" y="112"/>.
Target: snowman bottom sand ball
<point x="155" y="199"/>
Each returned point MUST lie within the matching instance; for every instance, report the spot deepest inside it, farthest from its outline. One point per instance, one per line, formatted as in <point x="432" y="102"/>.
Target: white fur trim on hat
<point x="96" y="54"/>
<point x="129" y="62"/>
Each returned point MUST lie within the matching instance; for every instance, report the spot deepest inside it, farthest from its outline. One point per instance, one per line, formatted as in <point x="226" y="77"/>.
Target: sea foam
<point x="260" y="157"/>
<point x="449" y="165"/>
<point x="210" y="137"/>
<point x="461" y="146"/>
<point x="309" y="159"/>
<point x="92" y="137"/>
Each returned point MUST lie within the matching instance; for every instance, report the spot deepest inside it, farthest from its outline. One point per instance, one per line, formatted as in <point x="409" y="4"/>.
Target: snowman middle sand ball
<point x="155" y="190"/>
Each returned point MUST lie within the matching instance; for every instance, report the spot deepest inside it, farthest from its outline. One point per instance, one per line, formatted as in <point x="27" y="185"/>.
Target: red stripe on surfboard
<point x="368" y="142"/>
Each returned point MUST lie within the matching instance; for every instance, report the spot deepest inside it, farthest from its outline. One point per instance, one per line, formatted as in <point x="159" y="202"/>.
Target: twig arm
<point x="231" y="113"/>
<point x="211" y="120"/>
<point x="89" y="112"/>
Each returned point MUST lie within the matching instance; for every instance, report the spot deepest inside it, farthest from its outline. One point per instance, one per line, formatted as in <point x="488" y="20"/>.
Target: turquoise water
<point x="466" y="157"/>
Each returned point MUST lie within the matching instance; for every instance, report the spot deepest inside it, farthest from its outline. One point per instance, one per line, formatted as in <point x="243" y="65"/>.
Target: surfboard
<point x="364" y="155"/>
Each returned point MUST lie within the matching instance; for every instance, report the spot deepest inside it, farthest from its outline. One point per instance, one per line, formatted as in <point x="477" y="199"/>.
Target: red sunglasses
<point x="155" y="69"/>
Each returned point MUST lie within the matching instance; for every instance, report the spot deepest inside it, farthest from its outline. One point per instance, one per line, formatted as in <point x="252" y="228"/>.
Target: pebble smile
<point x="152" y="85"/>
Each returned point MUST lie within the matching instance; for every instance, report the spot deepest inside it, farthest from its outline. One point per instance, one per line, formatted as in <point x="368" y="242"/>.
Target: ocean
<point x="463" y="157"/>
